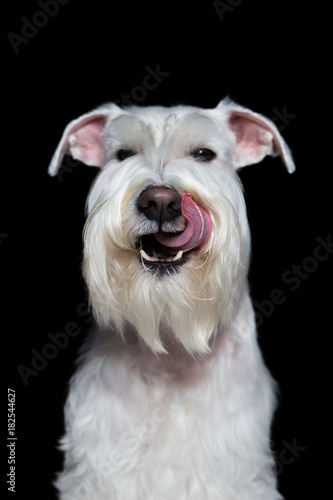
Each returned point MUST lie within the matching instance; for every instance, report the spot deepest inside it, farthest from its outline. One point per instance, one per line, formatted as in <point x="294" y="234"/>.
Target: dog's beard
<point x="189" y="303"/>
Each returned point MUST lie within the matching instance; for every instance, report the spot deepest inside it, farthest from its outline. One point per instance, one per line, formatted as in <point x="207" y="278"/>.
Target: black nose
<point x="160" y="203"/>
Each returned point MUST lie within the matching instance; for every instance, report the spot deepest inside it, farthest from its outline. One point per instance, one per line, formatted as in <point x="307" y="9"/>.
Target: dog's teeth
<point x="179" y="255"/>
<point x="144" y="255"/>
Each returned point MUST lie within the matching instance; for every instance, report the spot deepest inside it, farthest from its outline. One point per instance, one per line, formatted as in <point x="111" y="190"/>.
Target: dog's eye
<point x="203" y="154"/>
<point x="123" y="154"/>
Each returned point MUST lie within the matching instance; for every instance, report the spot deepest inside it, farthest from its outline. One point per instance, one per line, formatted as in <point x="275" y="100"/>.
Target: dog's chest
<point x="171" y="393"/>
<point x="159" y="412"/>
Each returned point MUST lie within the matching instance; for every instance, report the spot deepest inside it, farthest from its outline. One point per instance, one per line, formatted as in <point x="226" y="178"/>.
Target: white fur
<point x="171" y="398"/>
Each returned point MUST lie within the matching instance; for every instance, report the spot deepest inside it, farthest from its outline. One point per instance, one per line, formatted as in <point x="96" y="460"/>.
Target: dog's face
<point x="166" y="239"/>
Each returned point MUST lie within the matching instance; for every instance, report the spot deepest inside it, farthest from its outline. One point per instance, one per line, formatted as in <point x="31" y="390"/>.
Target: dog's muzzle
<point x="181" y="226"/>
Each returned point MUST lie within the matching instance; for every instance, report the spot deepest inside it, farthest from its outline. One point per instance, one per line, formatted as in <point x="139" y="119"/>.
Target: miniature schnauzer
<point x="171" y="399"/>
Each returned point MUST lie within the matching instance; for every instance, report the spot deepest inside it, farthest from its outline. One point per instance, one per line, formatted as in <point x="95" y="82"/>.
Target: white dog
<point x="171" y="399"/>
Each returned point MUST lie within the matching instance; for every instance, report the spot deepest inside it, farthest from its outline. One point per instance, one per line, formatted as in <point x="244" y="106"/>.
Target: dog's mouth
<point x="165" y="252"/>
<point x="157" y="257"/>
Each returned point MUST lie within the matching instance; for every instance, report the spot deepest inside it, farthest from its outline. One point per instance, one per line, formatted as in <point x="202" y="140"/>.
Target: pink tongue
<point x="197" y="231"/>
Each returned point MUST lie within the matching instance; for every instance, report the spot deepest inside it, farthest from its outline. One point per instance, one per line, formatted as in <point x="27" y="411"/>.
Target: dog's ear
<point x="256" y="136"/>
<point x="83" y="138"/>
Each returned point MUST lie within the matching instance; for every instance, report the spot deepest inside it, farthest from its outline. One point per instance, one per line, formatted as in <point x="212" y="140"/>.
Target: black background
<point x="267" y="56"/>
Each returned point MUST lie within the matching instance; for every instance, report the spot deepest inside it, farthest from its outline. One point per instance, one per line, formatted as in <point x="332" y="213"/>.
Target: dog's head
<point x="166" y="239"/>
